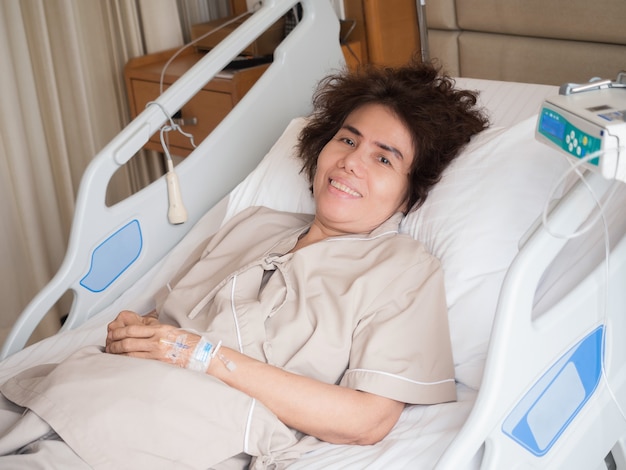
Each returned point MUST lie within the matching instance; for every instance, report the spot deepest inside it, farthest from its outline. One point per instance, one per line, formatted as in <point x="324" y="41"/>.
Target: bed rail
<point x="554" y="388"/>
<point x="112" y="247"/>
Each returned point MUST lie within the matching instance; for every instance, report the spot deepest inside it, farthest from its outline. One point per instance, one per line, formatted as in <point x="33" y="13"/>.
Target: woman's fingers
<point x="133" y="331"/>
<point x="128" y="324"/>
<point x="146" y="340"/>
<point x="127" y="345"/>
<point x="124" y="318"/>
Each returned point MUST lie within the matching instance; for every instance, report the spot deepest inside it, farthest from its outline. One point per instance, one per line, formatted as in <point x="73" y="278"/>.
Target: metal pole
<point x="423" y="28"/>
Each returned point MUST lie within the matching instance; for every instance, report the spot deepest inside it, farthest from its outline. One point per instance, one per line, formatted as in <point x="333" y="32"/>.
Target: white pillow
<point x="472" y="220"/>
<point x="276" y="182"/>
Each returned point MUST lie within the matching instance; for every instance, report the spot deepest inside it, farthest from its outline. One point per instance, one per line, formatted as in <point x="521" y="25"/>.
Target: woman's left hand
<point x="145" y="337"/>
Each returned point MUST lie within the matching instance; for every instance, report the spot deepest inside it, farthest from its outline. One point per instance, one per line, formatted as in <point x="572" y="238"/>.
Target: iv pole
<point x="423" y="28"/>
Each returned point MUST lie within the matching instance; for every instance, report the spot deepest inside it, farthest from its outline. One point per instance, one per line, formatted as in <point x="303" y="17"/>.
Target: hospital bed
<point x="537" y="320"/>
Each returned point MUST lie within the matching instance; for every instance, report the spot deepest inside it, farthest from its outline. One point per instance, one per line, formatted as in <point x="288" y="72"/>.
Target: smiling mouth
<point x="344" y="188"/>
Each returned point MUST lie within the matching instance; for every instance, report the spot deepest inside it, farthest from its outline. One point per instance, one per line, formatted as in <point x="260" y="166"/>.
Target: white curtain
<point x="62" y="98"/>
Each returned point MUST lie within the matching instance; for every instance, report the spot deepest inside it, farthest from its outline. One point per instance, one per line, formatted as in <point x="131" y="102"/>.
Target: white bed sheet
<point x="423" y="432"/>
<point x="417" y="441"/>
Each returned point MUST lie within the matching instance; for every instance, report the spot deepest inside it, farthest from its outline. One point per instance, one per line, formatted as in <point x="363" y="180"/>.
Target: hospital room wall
<point x="63" y="99"/>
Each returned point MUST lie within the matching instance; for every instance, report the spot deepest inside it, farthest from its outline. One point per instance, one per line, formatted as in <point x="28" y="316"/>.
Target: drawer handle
<point x="192" y="121"/>
<point x="181" y="121"/>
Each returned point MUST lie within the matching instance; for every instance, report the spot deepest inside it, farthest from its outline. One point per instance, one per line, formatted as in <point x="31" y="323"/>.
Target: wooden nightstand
<point x="388" y="31"/>
<point x="203" y="112"/>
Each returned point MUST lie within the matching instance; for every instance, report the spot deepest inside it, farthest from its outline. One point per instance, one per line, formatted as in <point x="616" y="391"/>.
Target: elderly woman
<point x="297" y="328"/>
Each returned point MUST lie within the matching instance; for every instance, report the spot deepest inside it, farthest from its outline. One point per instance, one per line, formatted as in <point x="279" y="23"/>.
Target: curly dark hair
<point x="440" y="118"/>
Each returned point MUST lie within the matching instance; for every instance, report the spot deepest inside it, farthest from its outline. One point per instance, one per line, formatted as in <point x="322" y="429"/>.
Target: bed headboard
<point x="536" y="41"/>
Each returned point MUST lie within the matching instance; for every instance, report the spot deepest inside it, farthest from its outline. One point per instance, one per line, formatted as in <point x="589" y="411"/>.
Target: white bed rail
<point x="138" y="226"/>
<point x="536" y="407"/>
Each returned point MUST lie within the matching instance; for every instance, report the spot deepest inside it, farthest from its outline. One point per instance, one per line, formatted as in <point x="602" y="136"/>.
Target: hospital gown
<point x="365" y="311"/>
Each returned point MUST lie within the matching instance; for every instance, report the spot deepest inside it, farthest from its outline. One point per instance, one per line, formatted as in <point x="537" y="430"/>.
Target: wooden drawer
<point x="207" y="109"/>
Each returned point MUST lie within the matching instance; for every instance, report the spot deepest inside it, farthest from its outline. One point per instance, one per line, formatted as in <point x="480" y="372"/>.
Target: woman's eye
<point x="348" y="141"/>
<point x="384" y="160"/>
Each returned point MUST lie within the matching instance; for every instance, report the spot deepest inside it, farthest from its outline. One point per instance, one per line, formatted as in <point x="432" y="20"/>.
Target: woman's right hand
<point x="135" y="335"/>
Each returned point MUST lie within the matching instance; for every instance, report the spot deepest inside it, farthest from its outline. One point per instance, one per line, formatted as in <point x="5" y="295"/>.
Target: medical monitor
<point x="588" y="122"/>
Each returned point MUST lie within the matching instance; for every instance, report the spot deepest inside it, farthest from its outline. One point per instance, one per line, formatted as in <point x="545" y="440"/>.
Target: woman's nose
<point x="354" y="162"/>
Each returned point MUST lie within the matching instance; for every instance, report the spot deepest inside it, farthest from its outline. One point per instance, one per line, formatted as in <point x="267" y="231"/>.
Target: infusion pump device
<point x="588" y="122"/>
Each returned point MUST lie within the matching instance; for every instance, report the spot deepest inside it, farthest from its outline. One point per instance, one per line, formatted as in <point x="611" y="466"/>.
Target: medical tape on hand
<point x="175" y="352"/>
<point x="204" y="351"/>
<point x="202" y="355"/>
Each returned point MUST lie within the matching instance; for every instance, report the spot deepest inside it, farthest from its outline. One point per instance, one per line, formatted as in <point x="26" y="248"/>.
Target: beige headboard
<point x="536" y="41"/>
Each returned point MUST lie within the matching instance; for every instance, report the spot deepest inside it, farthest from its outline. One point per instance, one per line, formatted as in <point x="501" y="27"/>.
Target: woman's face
<point x="362" y="173"/>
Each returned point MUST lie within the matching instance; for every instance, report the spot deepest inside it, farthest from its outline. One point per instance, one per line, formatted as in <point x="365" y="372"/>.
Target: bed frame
<point x="561" y="410"/>
<point x="542" y="406"/>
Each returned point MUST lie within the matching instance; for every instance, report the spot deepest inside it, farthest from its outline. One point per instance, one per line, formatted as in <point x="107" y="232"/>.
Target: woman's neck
<point x="315" y="233"/>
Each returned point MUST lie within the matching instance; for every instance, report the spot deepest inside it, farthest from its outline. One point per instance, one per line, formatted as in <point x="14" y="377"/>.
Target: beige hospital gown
<point x="364" y="311"/>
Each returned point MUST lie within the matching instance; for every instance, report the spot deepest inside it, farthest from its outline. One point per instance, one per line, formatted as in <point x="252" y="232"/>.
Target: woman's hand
<point x="126" y="318"/>
<point x="145" y="337"/>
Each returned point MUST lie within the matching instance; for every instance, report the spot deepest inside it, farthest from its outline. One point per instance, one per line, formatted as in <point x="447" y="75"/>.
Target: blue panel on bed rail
<point x="113" y="256"/>
<point x="547" y="409"/>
